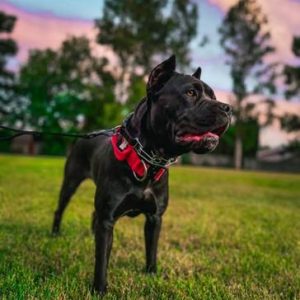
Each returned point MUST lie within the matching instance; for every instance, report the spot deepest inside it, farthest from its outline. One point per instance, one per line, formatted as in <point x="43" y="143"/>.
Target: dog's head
<point x="184" y="114"/>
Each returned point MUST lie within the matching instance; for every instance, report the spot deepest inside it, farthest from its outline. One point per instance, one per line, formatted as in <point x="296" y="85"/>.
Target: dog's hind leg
<point x="74" y="175"/>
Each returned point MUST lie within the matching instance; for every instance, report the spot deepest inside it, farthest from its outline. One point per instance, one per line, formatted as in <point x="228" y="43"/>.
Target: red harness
<point x="125" y="152"/>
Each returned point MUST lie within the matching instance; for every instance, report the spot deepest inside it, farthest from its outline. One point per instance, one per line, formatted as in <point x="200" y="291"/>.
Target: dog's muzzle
<point x="202" y="142"/>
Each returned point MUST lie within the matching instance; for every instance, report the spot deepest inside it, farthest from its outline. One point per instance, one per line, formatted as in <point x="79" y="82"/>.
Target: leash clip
<point x="141" y="179"/>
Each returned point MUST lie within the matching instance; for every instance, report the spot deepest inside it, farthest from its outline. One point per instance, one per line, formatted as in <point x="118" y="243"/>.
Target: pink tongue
<point x="199" y="137"/>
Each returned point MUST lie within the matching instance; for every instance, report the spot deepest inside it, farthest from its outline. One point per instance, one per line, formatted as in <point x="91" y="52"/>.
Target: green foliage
<point x="64" y="84"/>
<point x="250" y="131"/>
<point x="294" y="146"/>
<point x="292" y="73"/>
<point x="225" y="235"/>
<point x="137" y="32"/>
<point x="136" y="91"/>
<point x="141" y="34"/>
<point x="9" y="101"/>
<point x="67" y="89"/>
<point x="290" y="122"/>
<point x="246" y="43"/>
<point x="185" y="159"/>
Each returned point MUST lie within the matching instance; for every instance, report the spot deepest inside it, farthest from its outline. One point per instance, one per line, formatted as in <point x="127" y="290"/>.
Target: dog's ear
<point x="161" y="74"/>
<point x="197" y="73"/>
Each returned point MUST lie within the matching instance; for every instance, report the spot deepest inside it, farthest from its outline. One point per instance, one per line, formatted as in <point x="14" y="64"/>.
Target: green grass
<point x="226" y="235"/>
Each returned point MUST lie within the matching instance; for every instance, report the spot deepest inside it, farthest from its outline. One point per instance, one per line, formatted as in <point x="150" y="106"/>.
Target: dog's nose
<point x="225" y="107"/>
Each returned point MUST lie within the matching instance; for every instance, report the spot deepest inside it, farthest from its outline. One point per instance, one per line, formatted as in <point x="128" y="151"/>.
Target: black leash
<point x="19" y="132"/>
<point x="155" y="161"/>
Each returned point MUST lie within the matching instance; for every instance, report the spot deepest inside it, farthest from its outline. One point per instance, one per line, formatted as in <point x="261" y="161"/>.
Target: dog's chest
<point x="137" y="202"/>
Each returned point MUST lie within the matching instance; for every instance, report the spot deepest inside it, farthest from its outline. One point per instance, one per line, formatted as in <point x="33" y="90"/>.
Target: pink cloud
<point x="283" y="23"/>
<point x="45" y="30"/>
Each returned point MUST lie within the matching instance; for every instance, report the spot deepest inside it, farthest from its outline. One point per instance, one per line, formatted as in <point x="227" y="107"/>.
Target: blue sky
<point x="87" y="10"/>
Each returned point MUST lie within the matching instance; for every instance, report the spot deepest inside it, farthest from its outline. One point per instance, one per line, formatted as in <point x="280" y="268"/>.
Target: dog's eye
<point x="191" y="93"/>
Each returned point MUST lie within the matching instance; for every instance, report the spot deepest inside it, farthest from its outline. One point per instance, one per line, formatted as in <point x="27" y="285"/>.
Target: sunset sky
<point x="43" y="24"/>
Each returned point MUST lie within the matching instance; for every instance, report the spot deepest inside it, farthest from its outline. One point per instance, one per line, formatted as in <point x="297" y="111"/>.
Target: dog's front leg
<point x="103" y="239"/>
<point x="152" y="231"/>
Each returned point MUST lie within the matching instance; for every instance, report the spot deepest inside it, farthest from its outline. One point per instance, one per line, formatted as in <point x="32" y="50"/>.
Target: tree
<point x="140" y="33"/>
<point x="8" y="48"/>
<point x="68" y="89"/>
<point x="292" y="73"/>
<point x="250" y="144"/>
<point x="291" y="122"/>
<point x="246" y="43"/>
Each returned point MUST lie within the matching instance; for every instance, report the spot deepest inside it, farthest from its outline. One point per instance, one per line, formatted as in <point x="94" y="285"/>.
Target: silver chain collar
<point x="152" y="158"/>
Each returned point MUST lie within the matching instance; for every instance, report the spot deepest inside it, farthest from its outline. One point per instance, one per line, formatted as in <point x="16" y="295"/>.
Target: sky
<point x="43" y="24"/>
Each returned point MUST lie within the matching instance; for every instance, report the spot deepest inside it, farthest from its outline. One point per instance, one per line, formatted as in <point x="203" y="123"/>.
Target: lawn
<point x="226" y="235"/>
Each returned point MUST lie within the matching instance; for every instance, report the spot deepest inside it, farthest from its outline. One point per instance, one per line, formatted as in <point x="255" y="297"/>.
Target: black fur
<point x="176" y="105"/>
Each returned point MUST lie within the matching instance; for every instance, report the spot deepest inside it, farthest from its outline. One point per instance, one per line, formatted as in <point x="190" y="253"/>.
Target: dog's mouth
<point x="195" y="137"/>
<point x="198" y="137"/>
<point x="207" y="140"/>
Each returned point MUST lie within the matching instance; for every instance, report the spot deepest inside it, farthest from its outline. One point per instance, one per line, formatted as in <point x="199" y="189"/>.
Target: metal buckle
<point x="140" y="179"/>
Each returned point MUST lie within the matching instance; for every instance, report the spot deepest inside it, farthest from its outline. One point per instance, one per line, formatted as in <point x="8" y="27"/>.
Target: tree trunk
<point x="238" y="153"/>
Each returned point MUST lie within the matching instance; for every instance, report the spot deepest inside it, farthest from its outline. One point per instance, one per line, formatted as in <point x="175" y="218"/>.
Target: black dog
<point x="129" y="163"/>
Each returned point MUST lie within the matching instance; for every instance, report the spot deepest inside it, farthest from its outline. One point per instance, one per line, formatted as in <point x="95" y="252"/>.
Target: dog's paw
<point x="99" y="290"/>
<point x="151" y="270"/>
<point x="55" y="232"/>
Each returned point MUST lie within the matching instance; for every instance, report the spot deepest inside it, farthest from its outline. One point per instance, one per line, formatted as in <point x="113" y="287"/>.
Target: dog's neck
<point x="139" y="126"/>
